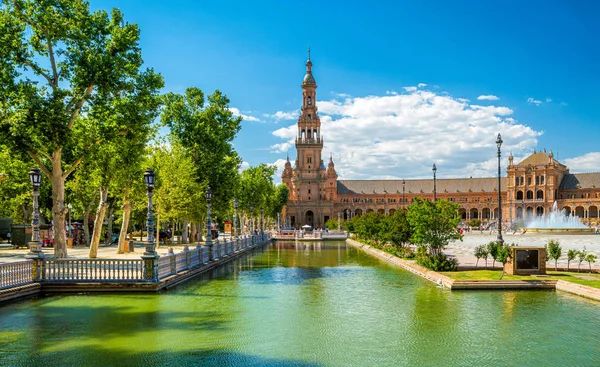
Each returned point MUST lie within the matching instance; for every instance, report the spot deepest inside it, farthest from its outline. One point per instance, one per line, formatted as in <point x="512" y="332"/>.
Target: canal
<point x="303" y="304"/>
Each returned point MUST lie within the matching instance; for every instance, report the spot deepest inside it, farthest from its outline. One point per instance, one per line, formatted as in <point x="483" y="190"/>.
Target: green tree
<point x="493" y="248"/>
<point x="554" y="252"/>
<point x="571" y="255"/>
<point x="78" y="63"/>
<point x="503" y="255"/>
<point x="206" y="127"/>
<point x="581" y="258"/>
<point x="590" y="258"/>
<point x="433" y="224"/>
<point x="481" y="252"/>
<point x="15" y="188"/>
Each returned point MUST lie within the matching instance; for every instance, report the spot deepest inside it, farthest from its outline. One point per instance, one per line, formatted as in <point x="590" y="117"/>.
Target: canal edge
<point x="453" y="284"/>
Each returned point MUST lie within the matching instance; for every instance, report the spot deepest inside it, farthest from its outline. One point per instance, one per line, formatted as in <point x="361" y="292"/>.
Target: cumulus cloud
<point x="548" y="100"/>
<point x="244" y="166"/>
<point x="488" y="97"/>
<point x="282" y="147"/>
<point x="589" y="162"/>
<point x="410" y="89"/>
<point x="536" y="102"/>
<point x="421" y="85"/>
<point x="236" y="112"/>
<point x="402" y="135"/>
<point x="282" y="115"/>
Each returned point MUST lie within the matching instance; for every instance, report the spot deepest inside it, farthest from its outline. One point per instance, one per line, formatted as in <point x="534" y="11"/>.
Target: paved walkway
<point x="9" y="254"/>
<point x="464" y="250"/>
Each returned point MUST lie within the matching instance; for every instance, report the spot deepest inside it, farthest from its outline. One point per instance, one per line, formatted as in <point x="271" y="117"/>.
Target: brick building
<point x="529" y="188"/>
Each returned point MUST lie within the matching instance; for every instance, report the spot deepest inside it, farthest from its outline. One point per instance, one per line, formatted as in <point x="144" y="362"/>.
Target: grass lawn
<point x="592" y="280"/>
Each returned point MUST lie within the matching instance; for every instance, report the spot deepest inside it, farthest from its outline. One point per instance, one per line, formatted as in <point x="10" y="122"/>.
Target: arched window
<point x="309" y="101"/>
<point x="519" y="195"/>
<point x="529" y="195"/>
<point x="539" y="195"/>
<point x="309" y="117"/>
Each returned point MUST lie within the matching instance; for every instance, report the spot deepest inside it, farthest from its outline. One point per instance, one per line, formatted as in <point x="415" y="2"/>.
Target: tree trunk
<point x="109" y="230"/>
<point x="590" y="268"/>
<point x="124" y="225"/>
<point x="501" y="275"/>
<point x="184" y="232"/>
<point x="100" y="212"/>
<point x="494" y="264"/>
<point x="555" y="264"/>
<point x="477" y="263"/>
<point x="486" y="262"/>
<point x="58" y="206"/>
<point x="568" y="263"/>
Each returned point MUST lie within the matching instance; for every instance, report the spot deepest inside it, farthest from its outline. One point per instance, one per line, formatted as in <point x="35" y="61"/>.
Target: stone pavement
<point x="464" y="250"/>
<point x="9" y="254"/>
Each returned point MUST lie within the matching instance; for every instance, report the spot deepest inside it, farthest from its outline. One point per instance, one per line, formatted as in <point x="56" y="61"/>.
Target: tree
<point x="581" y="258"/>
<point x="78" y="64"/>
<point x="554" y="252"/>
<point x="481" y="252"/>
<point x="503" y="255"/>
<point x="493" y="248"/>
<point x="571" y="255"/>
<point x="433" y="224"/>
<point x="207" y="127"/>
<point x="590" y="258"/>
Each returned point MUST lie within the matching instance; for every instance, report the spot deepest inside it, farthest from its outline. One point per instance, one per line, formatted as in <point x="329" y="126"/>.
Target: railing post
<point x="171" y="255"/>
<point x="150" y="265"/>
<point x="38" y="269"/>
<point x="210" y="252"/>
<point x="188" y="257"/>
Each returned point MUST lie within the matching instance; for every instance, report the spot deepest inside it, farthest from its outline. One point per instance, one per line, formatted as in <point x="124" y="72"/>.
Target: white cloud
<point x="342" y="95"/>
<point x="463" y="100"/>
<point x="548" y="100"/>
<point x="394" y="93"/>
<point x="589" y="162"/>
<point x="236" y="112"/>
<point x="564" y="104"/>
<point x="280" y="164"/>
<point x="282" y="147"/>
<point x="488" y="97"/>
<point x="244" y="166"/>
<point x="402" y="135"/>
<point x="290" y="115"/>
<point x="421" y="85"/>
<point x="536" y="102"/>
<point x="410" y="89"/>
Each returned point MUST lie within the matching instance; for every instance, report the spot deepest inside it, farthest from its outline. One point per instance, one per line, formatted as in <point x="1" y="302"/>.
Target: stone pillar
<point x="150" y="263"/>
<point x="210" y="252"/>
<point x="172" y="263"/>
<point x="188" y="257"/>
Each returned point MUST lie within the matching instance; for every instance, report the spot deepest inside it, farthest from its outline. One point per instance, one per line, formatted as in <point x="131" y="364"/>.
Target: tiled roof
<point x="537" y="159"/>
<point x="452" y="185"/>
<point x="575" y="181"/>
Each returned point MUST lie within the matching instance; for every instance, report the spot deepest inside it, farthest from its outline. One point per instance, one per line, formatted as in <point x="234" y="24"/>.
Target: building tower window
<point x="309" y="101"/>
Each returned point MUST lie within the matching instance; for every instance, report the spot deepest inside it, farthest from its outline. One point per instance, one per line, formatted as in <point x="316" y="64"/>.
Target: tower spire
<point x="308" y="52"/>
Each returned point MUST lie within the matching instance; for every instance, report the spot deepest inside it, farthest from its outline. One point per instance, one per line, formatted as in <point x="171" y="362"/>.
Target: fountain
<point x="557" y="222"/>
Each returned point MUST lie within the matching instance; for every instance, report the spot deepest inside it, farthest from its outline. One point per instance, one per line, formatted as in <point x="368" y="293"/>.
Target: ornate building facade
<point x="529" y="189"/>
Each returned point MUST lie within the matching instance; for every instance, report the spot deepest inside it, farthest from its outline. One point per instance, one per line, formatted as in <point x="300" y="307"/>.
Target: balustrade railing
<point x="93" y="270"/>
<point x="16" y="274"/>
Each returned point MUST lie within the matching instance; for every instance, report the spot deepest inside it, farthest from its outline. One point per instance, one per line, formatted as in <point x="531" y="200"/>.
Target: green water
<point x="305" y="305"/>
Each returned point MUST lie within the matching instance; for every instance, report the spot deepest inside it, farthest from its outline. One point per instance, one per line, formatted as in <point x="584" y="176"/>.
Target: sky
<point x="401" y="84"/>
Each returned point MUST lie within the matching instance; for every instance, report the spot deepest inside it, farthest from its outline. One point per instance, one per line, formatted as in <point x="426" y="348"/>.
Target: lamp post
<point x="235" y="223"/>
<point x="262" y="212"/>
<point x="499" y="144"/>
<point x="35" y="246"/>
<point x="339" y="223"/>
<point x="434" y="169"/>
<point x="403" y="189"/>
<point x="278" y="222"/>
<point x="208" y="222"/>
<point x="251" y="219"/>
<point x="149" y="178"/>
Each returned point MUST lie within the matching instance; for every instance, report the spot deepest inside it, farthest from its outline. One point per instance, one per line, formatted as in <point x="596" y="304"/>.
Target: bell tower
<point x="312" y="186"/>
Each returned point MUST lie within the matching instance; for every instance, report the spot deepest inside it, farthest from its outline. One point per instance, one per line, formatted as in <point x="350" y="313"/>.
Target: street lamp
<point x="70" y="207"/>
<point x="262" y="212"/>
<point x="251" y="219"/>
<point x="434" y="169"/>
<point x="499" y="144"/>
<point x="339" y="223"/>
<point x="35" y="246"/>
<point x="403" y="188"/>
<point x="149" y="177"/>
<point x="208" y="241"/>
<point x="235" y="223"/>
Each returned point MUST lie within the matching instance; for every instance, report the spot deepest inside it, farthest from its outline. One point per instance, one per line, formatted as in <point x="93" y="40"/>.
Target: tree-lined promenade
<point x="78" y="102"/>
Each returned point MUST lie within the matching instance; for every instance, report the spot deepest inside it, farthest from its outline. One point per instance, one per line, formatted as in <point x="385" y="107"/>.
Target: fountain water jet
<point x="557" y="221"/>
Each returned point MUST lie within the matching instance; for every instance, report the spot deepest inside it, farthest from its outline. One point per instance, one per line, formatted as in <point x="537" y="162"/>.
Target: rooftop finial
<point x="309" y="53"/>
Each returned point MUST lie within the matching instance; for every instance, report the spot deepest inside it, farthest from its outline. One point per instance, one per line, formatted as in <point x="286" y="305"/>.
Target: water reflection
<point x="302" y="304"/>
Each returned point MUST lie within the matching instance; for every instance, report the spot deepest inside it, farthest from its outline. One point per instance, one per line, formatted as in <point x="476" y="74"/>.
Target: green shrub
<point x="405" y="253"/>
<point x="439" y="262"/>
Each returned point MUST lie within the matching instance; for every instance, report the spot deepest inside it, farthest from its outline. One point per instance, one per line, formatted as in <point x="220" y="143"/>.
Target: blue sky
<point x="425" y="63"/>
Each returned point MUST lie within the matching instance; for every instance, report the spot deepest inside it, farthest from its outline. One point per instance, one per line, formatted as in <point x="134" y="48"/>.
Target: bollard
<point x="171" y="255"/>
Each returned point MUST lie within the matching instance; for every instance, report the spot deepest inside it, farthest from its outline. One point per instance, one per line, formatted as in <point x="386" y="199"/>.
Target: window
<point x="543" y="179"/>
<point x="309" y="160"/>
<point x="309" y="101"/>
<point x="309" y="191"/>
<point x="529" y="180"/>
<point x="537" y="180"/>
<point x="308" y="117"/>
<point x="522" y="180"/>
